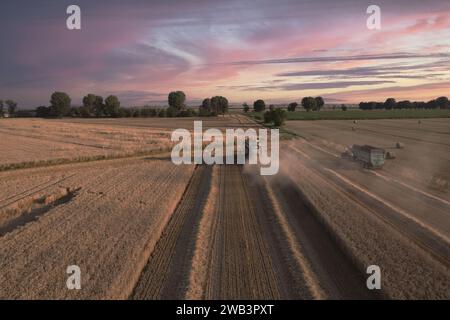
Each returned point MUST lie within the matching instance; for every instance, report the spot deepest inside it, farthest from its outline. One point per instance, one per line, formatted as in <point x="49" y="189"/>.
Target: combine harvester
<point x="370" y="157"/>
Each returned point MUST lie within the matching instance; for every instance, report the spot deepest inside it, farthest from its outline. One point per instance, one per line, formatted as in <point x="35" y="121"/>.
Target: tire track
<point x="329" y="272"/>
<point x="241" y="266"/>
<point x="32" y="191"/>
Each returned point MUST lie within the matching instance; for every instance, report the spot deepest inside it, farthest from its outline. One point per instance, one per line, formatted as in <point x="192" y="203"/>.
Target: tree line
<point x="308" y="103"/>
<point x="96" y="106"/>
<point x="391" y="103"/>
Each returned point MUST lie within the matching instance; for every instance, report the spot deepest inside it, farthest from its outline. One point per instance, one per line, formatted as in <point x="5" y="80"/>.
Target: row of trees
<point x="11" y="106"/>
<point x="95" y="106"/>
<point x="309" y="103"/>
<point x="391" y="103"/>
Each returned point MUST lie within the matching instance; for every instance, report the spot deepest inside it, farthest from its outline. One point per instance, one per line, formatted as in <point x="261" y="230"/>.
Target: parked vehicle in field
<point x="370" y="157"/>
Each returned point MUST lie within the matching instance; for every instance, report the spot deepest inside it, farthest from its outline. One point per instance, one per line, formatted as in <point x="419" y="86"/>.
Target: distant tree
<point x="259" y="105"/>
<point x="224" y="105"/>
<point x="93" y="105"/>
<point x="88" y="105"/>
<point x="59" y="104"/>
<point x="188" y="112"/>
<point x="172" y="112"/>
<point x="127" y="113"/>
<point x="279" y="117"/>
<point x="122" y="113"/>
<point x="432" y="104"/>
<point x="419" y="105"/>
<point x="276" y="116"/>
<point x="219" y="105"/>
<point x="271" y="107"/>
<point x="162" y="113"/>
<point x="292" y="106"/>
<point x="343" y="107"/>
<point x="42" y="112"/>
<point x="268" y="117"/>
<point x="205" y="109"/>
<point x="99" y="107"/>
<point x="1" y="108"/>
<point x="177" y="99"/>
<point x="443" y="102"/>
<point x="368" y="105"/>
<point x="246" y="107"/>
<point x="206" y="105"/>
<point x="74" y="112"/>
<point x="112" y="106"/>
<point x="215" y="105"/>
<point x="406" y="104"/>
<point x="319" y="103"/>
<point x="84" y="112"/>
<point x="309" y="103"/>
<point x="373" y="105"/>
<point x="390" y="103"/>
<point x="24" y="114"/>
<point x="12" y="107"/>
<point x="136" y="112"/>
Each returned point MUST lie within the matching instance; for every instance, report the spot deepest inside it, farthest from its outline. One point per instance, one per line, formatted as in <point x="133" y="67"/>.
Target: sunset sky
<point x="277" y="50"/>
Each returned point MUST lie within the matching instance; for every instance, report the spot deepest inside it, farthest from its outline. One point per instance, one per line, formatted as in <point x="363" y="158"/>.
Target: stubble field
<point x="142" y="228"/>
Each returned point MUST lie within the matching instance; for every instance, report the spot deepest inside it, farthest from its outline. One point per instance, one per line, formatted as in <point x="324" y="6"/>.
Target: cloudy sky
<point x="278" y="50"/>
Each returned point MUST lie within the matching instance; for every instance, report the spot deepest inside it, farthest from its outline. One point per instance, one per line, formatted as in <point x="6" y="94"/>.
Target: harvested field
<point x="108" y="229"/>
<point x="353" y="203"/>
<point x="38" y="142"/>
<point x="246" y="247"/>
<point x="427" y="145"/>
<point x="143" y="228"/>
<point x="165" y="274"/>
